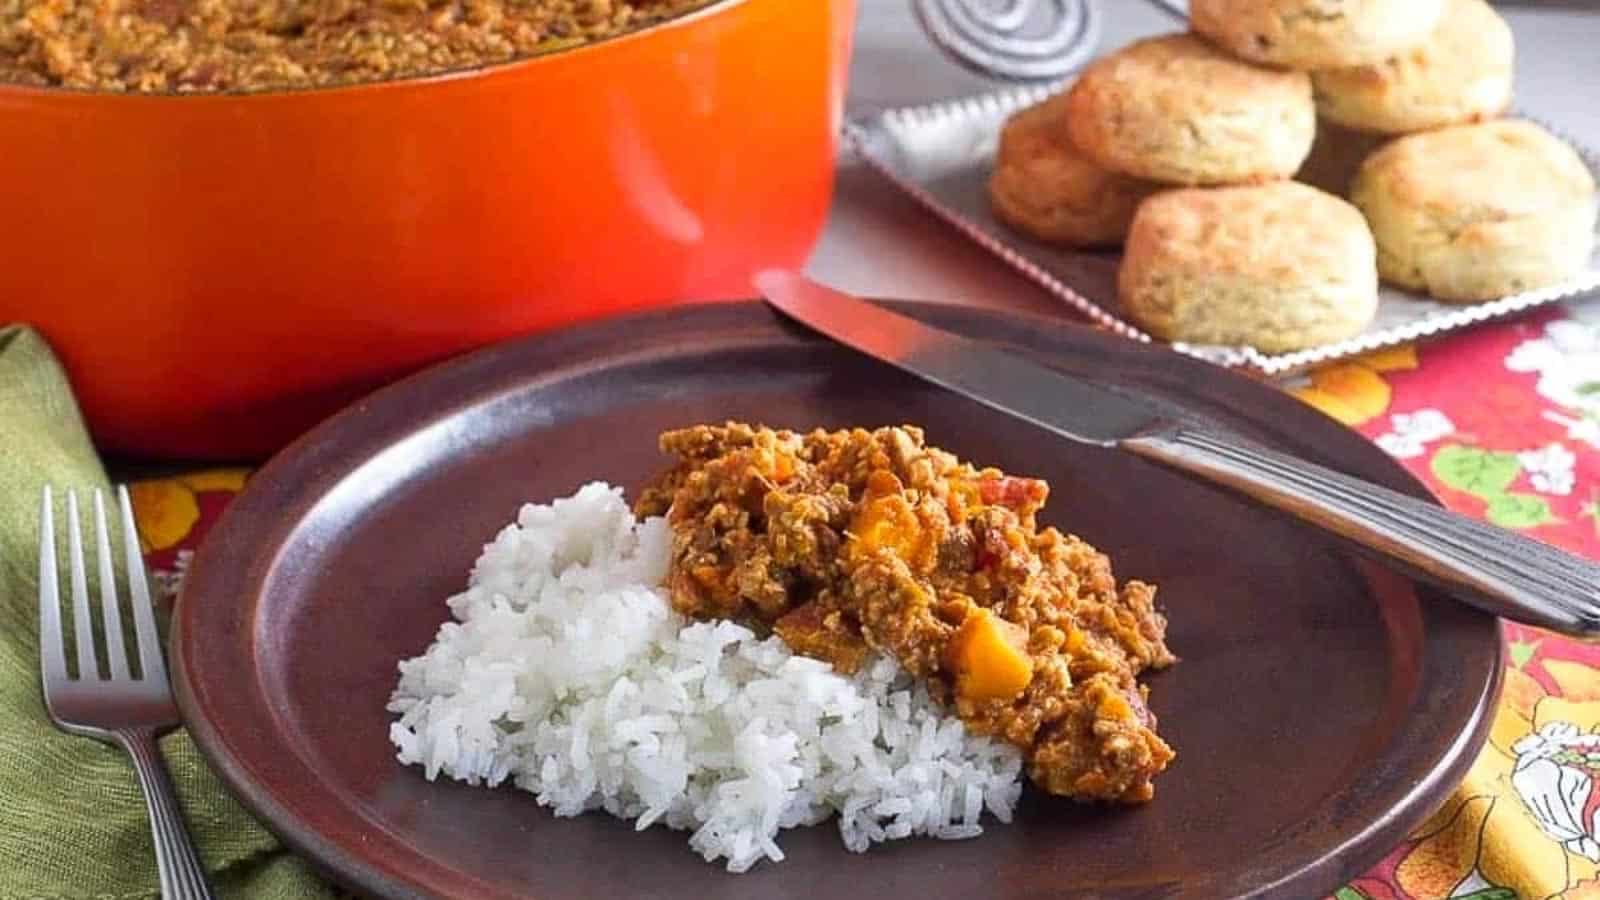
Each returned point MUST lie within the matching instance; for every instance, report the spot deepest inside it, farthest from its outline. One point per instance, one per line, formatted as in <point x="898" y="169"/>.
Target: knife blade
<point x="1495" y="570"/>
<point x="1073" y="408"/>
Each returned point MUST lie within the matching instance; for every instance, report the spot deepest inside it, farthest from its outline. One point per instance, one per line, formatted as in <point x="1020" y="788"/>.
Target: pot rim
<point x="712" y="9"/>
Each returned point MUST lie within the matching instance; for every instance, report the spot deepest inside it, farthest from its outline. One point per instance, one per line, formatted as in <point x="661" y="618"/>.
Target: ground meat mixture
<point x="847" y="541"/>
<point x="245" y="45"/>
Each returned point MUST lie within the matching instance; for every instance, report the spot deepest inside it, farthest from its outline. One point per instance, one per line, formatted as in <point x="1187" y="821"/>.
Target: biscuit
<point x="1278" y="267"/>
<point x="1043" y="187"/>
<point x="1460" y="73"/>
<point x="1314" y="34"/>
<point x="1476" y="212"/>
<point x="1175" y="109"/>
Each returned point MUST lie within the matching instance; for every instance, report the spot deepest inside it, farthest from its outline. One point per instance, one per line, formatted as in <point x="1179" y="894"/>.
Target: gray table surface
<point x="880" y="243"/>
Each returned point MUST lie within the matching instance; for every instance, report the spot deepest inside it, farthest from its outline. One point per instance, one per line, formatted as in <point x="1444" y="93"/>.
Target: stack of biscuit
<point x="1182" y="149"/>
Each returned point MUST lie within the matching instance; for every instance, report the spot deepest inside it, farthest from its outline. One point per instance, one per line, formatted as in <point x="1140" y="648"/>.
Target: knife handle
<point x="1493" y="569"/>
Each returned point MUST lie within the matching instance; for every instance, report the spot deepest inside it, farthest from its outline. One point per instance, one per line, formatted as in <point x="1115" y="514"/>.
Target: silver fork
<point x="117" y="708"/>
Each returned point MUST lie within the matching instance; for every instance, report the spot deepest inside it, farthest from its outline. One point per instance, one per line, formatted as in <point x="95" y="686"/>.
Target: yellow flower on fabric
<point x="229" y="481"/>
<point x="1585" y="890"/>
<point x="1525" y="816"/>
<point x="1355" y="391"/>
<point x="165" y="510"/>
<point x="1391" y="359"/>
<point x="1448" y="851"/>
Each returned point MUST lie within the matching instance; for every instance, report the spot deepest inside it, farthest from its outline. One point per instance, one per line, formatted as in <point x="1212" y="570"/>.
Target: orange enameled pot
<point x="219" y="271"/>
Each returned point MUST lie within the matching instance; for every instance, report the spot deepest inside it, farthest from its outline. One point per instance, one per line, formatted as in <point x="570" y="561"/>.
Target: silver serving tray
<point x="941" y="154"/>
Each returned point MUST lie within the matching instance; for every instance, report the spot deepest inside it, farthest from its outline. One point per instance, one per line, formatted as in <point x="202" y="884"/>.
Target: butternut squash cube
<point x="989" y="657"/>
<point x="887" y="523"/>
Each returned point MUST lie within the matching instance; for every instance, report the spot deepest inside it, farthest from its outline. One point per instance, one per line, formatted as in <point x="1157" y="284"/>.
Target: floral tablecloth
<point x="1503" y="423"/>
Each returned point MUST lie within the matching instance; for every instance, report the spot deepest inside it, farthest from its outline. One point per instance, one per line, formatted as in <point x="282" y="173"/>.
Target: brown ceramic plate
<point x="1323" y="706"/>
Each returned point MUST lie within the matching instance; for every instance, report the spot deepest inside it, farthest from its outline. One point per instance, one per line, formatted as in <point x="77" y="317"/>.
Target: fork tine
<point x="52" y="647"/>
<point x="116" y="652"/>
<point x="151" y="665"/>
<point x="82" y="627"/>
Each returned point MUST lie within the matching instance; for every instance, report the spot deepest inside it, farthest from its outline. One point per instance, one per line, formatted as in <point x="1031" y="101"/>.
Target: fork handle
<point x="182" y="876"/>
<point x="1494" y="569"/>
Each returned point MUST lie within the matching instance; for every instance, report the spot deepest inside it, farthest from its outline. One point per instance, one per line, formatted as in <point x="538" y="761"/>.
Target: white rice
<point x="567" y="672"/>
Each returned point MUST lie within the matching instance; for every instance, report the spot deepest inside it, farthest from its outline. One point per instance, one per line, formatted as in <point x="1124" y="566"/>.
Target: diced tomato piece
<point x="1013" y="492"/>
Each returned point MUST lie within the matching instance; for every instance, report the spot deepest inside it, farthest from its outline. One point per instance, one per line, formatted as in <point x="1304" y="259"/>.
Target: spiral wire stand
<point x="1019" y="40"/>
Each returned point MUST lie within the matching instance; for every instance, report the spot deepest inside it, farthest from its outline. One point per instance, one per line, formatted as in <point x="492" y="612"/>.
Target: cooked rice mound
<point x="566" y="671"/>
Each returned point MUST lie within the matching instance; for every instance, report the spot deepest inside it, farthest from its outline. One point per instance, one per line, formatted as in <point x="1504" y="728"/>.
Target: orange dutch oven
<point x="218" y="272"/>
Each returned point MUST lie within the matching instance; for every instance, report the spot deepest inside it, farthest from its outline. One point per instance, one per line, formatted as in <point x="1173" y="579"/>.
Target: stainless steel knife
<point x="1496" y="570"/>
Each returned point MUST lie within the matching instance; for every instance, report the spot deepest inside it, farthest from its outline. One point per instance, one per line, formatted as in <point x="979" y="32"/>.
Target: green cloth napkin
<point x="74" y="819"/>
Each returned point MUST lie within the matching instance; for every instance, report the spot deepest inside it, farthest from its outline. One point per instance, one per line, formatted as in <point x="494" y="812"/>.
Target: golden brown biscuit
<point x="1043" y="187"/>
<point x="1278" y="267"/>
<point x="1476" y="212"/>
<point x="1314" y="34"/>
<point x="1175" y="109"/>
<point x="1460" y="73"/>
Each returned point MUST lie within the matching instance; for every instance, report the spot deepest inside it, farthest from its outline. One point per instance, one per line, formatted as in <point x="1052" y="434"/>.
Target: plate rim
<point x="369" y="876"/>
